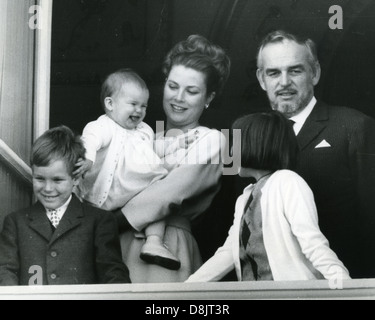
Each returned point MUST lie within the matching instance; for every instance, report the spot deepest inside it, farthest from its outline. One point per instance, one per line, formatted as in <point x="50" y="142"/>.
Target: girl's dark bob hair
<point x="268" y="142"/>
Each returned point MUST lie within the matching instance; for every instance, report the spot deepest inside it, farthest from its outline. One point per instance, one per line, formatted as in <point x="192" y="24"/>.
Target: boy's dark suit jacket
<point x="341" y="174"/>
<point x="84" y="249"/>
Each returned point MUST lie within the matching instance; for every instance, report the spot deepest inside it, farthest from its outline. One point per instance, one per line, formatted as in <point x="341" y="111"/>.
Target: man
<point x="337" y="147"/>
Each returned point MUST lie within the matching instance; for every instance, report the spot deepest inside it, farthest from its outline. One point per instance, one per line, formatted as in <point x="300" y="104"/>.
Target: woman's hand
<point x="83" y="166"/>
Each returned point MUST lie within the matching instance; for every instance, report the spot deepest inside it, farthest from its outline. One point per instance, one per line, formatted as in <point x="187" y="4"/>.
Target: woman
<point x="275" y="234"/>
<point x="195" y="71"/>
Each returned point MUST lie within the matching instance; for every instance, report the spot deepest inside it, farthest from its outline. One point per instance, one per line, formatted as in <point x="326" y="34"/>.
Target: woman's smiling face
<point x="185" y="97"/>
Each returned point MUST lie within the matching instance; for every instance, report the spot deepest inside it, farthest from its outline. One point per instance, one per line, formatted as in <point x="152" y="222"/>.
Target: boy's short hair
<point x="268" y="142"/>
<point x="113" y="83"/>
<point x="57" y="144"/>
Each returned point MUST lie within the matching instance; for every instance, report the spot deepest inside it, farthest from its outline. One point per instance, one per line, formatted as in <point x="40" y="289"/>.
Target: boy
<point x="69" y="242"/>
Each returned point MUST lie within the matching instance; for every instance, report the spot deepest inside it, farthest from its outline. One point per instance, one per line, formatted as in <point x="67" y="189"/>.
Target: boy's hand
<point x="83" y="166"/>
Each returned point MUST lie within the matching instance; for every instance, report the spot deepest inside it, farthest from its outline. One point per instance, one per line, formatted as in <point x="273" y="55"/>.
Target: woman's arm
<point x="188" y="188"/>
<point x="169" y="195"/>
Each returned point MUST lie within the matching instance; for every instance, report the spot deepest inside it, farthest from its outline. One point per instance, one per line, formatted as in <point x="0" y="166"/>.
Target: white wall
<point x="16" y="97"/>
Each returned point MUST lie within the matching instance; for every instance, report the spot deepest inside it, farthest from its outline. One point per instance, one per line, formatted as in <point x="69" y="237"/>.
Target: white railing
<point x="351" y="289"/>
<point x="13" y="161"/>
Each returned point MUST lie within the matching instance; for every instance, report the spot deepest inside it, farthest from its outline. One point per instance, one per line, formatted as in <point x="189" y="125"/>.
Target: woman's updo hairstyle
<point x="201" y="55"/>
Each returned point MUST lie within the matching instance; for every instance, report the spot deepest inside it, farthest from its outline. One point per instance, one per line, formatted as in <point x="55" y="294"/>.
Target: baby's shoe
<point x="155" y="253"/>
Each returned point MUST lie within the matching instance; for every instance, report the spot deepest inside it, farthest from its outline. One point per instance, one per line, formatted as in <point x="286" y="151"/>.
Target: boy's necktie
<point x="53" y="217"/>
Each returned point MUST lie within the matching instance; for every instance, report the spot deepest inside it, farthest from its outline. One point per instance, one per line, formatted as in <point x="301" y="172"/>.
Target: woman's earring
<point x="207" y="106"/>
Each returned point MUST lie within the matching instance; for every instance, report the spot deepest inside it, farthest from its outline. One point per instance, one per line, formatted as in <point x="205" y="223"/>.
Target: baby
<point x="120" y="160"/>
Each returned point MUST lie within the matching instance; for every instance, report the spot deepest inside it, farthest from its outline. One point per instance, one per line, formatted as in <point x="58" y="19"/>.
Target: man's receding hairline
<point x="310" y="56"/>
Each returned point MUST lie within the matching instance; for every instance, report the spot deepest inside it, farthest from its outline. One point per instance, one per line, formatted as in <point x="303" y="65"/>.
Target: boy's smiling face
<point x="53" y="184"/>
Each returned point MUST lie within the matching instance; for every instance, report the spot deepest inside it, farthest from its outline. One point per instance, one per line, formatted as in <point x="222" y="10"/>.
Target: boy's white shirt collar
<point x="301" y="118"/>
<point x="60" y="211"/>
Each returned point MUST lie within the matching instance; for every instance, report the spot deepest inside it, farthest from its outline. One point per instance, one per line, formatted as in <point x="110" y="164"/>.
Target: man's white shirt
<point x="301" y="118"/>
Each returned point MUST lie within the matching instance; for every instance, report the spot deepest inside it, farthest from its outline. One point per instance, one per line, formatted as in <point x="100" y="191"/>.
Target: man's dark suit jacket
<point x="341" y="174"/>
<point x="84" y="249"/>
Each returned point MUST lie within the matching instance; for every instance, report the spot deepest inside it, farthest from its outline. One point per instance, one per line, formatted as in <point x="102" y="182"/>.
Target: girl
<point x="275" y="235"/>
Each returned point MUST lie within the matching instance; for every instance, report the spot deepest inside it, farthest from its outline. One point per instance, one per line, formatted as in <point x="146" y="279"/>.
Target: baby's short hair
<point x="59" y="143"/>
<point x="268" y="142"/>
<point x="113" y="83"/>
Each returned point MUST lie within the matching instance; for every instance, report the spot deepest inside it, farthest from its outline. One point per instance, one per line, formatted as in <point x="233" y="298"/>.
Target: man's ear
<point x="260" y="79"/>
<point x="108" y="102"/>
<point x="317" y="73"/>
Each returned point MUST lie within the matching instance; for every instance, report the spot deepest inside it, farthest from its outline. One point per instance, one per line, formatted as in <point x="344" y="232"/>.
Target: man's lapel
<point x="39" y="221"/>
<point x="71" y="219"/>
<point x="314" y="125"/>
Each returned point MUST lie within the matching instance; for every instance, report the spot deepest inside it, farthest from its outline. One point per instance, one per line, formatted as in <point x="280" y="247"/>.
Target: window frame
<point x="317" y="289"/>
<point x="43" y="44"/>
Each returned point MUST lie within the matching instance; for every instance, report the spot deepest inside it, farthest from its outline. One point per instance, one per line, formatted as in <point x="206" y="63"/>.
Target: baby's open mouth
<point x="135" y="118"/>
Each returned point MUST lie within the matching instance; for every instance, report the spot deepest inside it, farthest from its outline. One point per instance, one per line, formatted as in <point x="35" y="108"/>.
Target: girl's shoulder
<point x="285" y="177"/>
<point x="285" y="174"/>
<point x="287" y="180"/>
